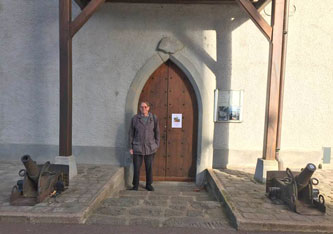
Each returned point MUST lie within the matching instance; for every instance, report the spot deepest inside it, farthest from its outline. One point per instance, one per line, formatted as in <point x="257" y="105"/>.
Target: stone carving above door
<point x="169" y="45"/>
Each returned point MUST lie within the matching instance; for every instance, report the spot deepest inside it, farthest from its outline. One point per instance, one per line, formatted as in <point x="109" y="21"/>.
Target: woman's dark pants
<point x="137" y="161"/>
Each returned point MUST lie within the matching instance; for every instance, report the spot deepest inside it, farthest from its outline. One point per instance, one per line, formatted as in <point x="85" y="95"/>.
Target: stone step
<point x="173" y="196"/>
<point x="170" y="205"/>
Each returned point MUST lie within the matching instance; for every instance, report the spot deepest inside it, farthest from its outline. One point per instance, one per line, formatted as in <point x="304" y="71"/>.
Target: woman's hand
<point x="131" y="151"/>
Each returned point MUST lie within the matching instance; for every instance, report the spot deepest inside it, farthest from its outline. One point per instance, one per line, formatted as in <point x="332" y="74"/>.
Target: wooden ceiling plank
<point x="255" y="16"/>
<point x="175" y="1"/>
<point x="84" y="16"/>
<point x="261" y="4"/>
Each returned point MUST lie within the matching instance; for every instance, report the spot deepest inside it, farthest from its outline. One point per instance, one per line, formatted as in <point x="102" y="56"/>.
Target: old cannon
<point x="39" y="182"/>
<point x="296" y="190"/>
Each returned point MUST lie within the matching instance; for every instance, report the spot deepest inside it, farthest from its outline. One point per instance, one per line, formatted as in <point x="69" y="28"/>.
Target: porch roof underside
<point x="85" y="2"/>
<point x="256" y="3"/>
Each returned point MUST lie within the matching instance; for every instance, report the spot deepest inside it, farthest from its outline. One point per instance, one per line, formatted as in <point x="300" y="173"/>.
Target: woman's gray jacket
<point x="144" y="138"/>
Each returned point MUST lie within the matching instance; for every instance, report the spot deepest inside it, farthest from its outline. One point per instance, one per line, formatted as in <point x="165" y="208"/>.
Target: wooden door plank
<point x="275" y="73"/>
<point x="85" y="14"/>
<point x="155" y="92"/>
<point x="255" y="16"/>
<point x="182" y="141"/>
<point x="65" y="50"/>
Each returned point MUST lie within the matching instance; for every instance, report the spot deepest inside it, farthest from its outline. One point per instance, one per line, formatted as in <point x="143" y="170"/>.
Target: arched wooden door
<point x="169" y="92"/>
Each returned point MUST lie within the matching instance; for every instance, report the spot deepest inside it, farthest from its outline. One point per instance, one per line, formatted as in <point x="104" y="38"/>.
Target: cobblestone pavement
<point x="69" y="207"/>
<point x="172" y="204"/>
<point x="249" y="203"/>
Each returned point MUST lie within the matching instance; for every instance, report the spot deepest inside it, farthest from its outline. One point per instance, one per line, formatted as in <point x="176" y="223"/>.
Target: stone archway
<point x="204" y="92"/>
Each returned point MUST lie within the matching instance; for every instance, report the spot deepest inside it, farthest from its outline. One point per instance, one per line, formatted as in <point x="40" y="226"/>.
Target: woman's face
<point x="144" y="108"/>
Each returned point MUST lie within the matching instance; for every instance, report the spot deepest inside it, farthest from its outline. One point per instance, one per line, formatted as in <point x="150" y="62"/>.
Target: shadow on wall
<point x="39" y="86"/>
<point x="139" y="18"/>
<point x="153" y="18"/>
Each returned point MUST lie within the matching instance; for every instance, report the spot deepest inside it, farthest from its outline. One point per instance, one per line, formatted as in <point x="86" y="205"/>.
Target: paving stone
<point x="205" y="204"/>
<point x="194" y="213"/>
<point x="215" y="213"/>
<point x="178" y="207"/>
<point x="123" y="201"/>
<point x="205" y="197"/>
<point x="248" y="198"/>
<point x="196" y="222"/>
<point x="66" y="203"/>
<point x="103" y="219"/>
<point x="181" y="198"/>
<point x="142" y="211"/>
<point x="172" y="212"/>
<point x="112" y="211"/>
<point x="140" y="197"/>
<point x="145" y="221"/>
<point x="155" y="203"/>
<point x="160" y="197"/>
<point x="156" y="208"/>
<point x="41" y="209"/>
<point x="194" y="193"/>
<point x="249" y="215"/>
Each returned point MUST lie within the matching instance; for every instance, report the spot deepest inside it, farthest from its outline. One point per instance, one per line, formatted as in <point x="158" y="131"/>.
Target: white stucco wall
<point x="307" y="124"/>
<point x="307" y="116"/>
<point x="220" y="41"/>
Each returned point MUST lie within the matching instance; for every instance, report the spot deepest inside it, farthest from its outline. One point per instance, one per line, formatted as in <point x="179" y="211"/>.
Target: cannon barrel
<point x="304" y="177"/>
<point x="31" y="167"/>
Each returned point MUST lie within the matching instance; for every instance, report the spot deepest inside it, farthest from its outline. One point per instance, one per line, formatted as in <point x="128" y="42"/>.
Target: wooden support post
<point x="277" y="39"/>
<point x="65" y="46"/>
<point x="283" y="69"/>
<point x="275" y="73"/>
<point x="67" y="29"/>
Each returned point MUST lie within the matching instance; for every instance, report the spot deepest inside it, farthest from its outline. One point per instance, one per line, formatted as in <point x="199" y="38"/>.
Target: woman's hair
<point x="145" y="102"/>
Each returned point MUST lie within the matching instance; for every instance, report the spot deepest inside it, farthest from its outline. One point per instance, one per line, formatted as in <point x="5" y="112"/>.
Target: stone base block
<point x="70" y="161"/>
<point x="262" y="167"/>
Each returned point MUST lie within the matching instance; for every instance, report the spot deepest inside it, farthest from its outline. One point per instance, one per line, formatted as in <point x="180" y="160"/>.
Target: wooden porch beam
<point x="275" y="78"/>
<point x="65" y="50"/>
<point x="255" y="16"/>
<point x="84" y="16"/>
<point x="261" y="4"/>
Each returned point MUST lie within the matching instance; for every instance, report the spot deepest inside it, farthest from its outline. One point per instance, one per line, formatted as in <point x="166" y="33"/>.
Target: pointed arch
<point x="204" y="96"/>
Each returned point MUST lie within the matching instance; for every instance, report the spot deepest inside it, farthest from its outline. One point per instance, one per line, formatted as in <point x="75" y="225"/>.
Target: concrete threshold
<point x="249" y="210"/>
<point x="86" y="191"/>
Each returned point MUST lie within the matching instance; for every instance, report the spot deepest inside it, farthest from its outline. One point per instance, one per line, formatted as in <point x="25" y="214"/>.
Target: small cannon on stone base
<point x="39" y="182"/>
<point x="296" y="190"/>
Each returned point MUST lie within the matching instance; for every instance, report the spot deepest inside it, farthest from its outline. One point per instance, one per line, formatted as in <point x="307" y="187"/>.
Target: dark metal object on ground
<point x="39" y="182"/>
<point x="296" y="190"/>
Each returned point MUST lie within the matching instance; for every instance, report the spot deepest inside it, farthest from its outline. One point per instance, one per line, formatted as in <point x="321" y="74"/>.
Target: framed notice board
<point x="228" y="106"/>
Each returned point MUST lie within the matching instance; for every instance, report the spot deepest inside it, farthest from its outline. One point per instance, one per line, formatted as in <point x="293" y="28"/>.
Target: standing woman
<point x="144" y="140"/>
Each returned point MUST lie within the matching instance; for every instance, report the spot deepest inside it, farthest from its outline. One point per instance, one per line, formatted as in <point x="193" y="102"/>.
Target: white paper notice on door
<point x="176" y="120"/>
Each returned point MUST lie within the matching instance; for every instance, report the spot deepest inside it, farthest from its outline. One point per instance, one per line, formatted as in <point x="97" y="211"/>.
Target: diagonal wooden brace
<point x="255" y="16"/>
<point x="85" y="14"/>
<point x="261" y="4"/>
